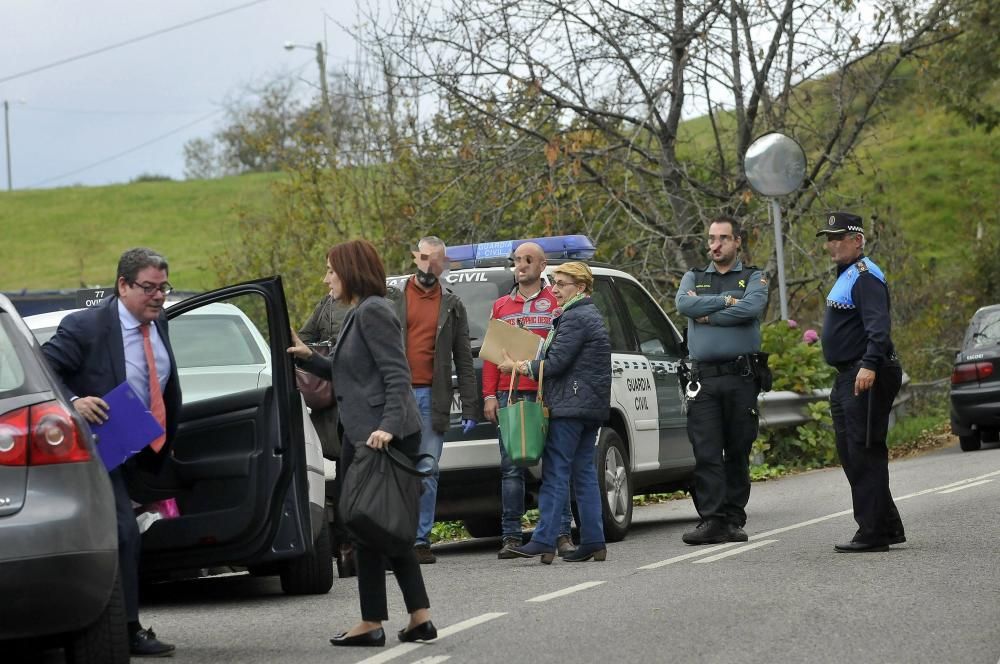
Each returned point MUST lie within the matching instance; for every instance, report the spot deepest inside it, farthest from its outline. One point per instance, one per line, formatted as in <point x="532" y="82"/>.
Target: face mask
<point x="426" y="279"/>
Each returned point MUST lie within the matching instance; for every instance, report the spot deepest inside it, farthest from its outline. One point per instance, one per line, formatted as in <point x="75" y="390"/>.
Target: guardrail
<point x="785" y="409"/>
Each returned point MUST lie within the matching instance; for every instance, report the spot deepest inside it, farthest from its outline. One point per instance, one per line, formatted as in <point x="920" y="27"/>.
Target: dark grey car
<point x="58" y="539"/>
<point x="975" y="382"/>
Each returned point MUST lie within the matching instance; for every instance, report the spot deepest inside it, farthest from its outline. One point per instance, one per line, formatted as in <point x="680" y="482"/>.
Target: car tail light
<point x="54" y="436"/>
<point x="14" y="438"/>
<point x="965" y="373"/>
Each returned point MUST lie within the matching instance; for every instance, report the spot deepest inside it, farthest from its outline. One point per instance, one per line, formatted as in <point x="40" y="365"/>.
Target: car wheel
<point x="311" y="574"/>
<point x="614" y="478"/>
<point x="106" y="641"/>
<point x="483" y="526"/>
<point x="970" y="443"/>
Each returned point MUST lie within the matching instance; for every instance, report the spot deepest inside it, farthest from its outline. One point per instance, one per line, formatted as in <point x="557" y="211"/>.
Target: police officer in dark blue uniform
<point x="856" y="341"/>
<point x="724" y="304"/>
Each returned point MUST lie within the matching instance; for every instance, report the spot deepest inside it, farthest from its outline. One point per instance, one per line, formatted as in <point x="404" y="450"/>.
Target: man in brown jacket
<point x="435" y="334"/>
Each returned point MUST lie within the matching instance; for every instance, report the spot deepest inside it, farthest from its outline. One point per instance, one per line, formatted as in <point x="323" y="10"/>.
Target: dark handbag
<point x="318" y="392"/>
<point x="380" y="499"/>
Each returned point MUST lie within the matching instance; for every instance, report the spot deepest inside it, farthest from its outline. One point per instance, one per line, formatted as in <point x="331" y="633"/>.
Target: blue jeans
<point x="432" y="443"/>
<point x="569" y="454"/>
<point x="512" y="485"/>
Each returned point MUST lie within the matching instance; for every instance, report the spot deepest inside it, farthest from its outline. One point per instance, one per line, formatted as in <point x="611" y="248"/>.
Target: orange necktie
<point x="155" y="394"/>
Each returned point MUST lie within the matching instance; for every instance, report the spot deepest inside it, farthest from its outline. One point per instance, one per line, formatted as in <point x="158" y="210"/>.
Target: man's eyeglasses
<point x="149" y="289"/>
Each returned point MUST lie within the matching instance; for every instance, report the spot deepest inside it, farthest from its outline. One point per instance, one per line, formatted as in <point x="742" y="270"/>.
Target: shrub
<point x="797" y="363"/>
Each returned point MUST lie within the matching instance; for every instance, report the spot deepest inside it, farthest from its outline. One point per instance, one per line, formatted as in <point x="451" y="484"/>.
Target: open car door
<point x="238" y="468"/>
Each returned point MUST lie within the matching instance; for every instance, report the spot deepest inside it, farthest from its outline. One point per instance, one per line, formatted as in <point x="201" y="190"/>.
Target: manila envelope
<point x="520" y="344"/>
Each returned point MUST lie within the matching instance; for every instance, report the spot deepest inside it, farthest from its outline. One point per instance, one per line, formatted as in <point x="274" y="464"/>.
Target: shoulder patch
<point x="862" y="267"/>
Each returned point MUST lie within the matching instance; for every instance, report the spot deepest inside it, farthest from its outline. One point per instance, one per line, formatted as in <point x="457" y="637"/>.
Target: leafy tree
<point x="963" y="72"/>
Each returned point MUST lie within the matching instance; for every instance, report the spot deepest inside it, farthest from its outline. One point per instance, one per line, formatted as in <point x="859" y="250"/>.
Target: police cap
<point x="842" y="222"/>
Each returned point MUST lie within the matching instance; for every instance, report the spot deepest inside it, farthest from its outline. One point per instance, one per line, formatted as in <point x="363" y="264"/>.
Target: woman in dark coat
<point x="577" y="391"/>
<point x="372" y="382"/>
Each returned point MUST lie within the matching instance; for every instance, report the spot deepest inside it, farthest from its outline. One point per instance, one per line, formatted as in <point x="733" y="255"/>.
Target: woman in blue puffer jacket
<point x="577" y="391"/>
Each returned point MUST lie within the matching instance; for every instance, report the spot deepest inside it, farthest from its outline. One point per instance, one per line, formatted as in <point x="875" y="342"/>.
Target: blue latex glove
<point x="468" y="425"/>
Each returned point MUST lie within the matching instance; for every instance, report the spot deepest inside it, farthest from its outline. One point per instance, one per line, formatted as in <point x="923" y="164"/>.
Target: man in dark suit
<point x="95" y="350"/>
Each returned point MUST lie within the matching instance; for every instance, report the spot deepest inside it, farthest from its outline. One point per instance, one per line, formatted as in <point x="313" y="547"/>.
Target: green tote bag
<point x="524" y="424"/>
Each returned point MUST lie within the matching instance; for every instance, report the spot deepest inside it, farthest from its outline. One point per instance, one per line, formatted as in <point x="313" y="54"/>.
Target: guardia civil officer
<point x="856" y="342"/>
<point x="724" y="304"/>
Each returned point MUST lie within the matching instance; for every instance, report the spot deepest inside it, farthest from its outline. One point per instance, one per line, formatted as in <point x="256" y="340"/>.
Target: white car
<point x="250" y="485"/>
<point x="642" y="447"/>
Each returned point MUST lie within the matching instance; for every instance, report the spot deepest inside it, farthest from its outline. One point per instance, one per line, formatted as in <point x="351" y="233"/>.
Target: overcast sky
<point x="65" y="119"/>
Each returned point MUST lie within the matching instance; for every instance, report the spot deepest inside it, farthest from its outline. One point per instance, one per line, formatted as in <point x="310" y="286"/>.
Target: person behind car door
<point x="323" y="327"/>
<point x="93" y="351"/>
<point x="532" y="307"/>
<point x="724" y="304"/>
<point x="856" y="342"/>
<point x="435" y="334"/>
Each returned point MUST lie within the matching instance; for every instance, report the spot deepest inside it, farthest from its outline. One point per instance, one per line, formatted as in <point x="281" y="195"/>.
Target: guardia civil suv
<point x="642" y="447"/>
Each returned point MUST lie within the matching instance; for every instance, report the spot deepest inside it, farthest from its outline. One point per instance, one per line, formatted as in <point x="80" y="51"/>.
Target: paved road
<point x="785" y="596"/>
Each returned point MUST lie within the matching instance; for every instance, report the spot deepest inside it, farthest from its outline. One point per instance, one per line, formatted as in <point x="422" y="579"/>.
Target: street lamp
<point x="775" y="165"/>
<point x="324" y="90"/>
<point x="6" y="133"/>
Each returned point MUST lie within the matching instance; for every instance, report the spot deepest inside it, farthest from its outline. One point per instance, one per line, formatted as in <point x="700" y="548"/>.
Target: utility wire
<point x="128" y="151"/>
<point x="295" y="71"/>
<point x="148" y="35"/>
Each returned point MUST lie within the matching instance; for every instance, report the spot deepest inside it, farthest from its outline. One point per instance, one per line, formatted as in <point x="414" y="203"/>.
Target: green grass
<point x="72" y="237"/>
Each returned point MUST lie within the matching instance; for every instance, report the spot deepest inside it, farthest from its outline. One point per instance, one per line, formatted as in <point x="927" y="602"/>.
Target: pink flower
<point x="810" y="336"/>
<point x="792" y="324"/>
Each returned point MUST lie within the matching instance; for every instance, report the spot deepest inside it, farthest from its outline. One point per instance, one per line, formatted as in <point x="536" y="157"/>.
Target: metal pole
<point x="780" y="255"/>
<point x="325" y="95"/>
<point x="6" y="133"/>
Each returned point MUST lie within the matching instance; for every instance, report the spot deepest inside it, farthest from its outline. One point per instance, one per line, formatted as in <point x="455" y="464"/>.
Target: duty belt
<point x="841" y="367"/>
<point x="715" y="369"/>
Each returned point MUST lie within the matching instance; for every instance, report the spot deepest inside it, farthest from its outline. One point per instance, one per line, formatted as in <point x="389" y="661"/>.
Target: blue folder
<point x="129" y="428"/>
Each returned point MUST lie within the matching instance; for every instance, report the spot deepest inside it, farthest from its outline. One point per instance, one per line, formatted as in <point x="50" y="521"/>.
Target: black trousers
<point x="722" y="424"/>
<point x="371" y="563"/>
<point x="129" y="544"/>
<point x="867" y="466"/>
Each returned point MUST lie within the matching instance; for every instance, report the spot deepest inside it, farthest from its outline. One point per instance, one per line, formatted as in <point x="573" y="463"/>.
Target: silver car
<point x="59" y="558"/>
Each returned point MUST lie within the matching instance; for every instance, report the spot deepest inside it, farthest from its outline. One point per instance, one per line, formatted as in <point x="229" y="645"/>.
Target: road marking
<point x="400" y="650"/>
<point x="436" y="659"/>
<point x="937" y="489"/>
<point x="801" y="524"/>
<point x="965" y="486"/>
<point x="733" y="552"/>
<point x="565" y="591"/>
<point x="686" y="556"/>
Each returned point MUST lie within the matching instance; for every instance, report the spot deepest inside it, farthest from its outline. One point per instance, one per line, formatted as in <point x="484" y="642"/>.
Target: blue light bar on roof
<point x="571" y="247"/>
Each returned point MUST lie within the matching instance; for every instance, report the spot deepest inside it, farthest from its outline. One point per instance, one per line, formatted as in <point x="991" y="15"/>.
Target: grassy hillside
<point x="65" y="238"/>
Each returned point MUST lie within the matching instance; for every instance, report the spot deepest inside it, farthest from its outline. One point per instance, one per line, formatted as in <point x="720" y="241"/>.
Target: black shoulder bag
<point x="380" y="501"/>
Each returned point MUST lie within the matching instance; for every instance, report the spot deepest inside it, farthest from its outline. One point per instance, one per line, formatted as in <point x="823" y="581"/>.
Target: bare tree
<point x="583" y="100"/>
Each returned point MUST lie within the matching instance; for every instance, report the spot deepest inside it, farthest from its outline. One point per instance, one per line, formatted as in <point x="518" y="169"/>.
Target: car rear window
<point x="204" y="340"/>
<point x="19" y="370"/>
<point x="984" y="330"/>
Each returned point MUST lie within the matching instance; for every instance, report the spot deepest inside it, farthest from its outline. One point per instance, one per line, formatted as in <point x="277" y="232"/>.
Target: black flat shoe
<point x="860" y="547"/>
<point x="373" y="639"/>
<point x="425" y="631"/>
